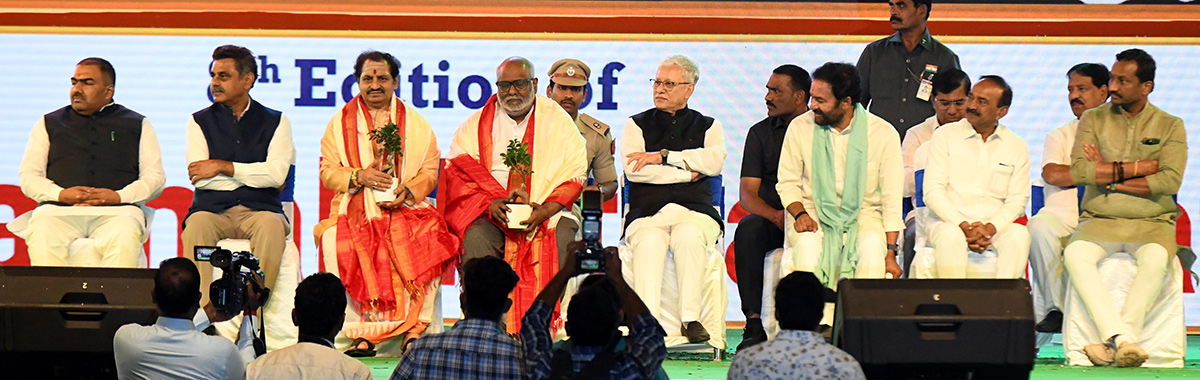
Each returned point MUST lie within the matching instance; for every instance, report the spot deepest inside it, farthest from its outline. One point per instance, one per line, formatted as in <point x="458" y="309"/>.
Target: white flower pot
<point x="517" y="213"/>
<point x="389" y="194"/>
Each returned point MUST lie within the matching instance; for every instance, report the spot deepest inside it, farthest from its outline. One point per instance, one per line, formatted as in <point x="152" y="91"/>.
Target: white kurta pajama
<point x="882" y="191"/>
<point x="117" y="231"/>
<point x="967" y="179"/>
<point x="1055" y="221"/>
<point x="685" y="234"/>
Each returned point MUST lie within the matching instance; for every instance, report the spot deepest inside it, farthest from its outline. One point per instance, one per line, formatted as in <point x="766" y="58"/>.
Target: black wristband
<point x="893" y="247"/>
<point x="797" y="216"/>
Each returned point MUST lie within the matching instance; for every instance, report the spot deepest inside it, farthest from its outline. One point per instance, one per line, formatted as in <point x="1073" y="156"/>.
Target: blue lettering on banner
<point x="347" y="84"/>
<point x="307" y="82"/>
<point x="274" y="77"/>
<point x="587" y="89"/>
<point x="418" y="78"/>
<point x="443" y="87"/>
<point x="310" y="79"/>
<point x="464" y="91"/>
<point x="608" y="80"/>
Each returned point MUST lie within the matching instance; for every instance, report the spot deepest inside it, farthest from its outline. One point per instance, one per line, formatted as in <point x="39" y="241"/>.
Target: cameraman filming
<point x="174" y="347"/>
<point x="592" y="320"/>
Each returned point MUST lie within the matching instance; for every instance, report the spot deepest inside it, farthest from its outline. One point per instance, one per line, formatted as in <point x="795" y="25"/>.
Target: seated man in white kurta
<point x="670" y="152"/>
<point x="977" y="185"/>
<point x="68" y="163"/>
<point x="1087" y="88"/>
<point x="841" y="176"/>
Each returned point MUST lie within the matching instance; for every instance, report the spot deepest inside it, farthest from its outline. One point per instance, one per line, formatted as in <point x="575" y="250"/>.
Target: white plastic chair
<point x="1164" y="335"/>
<point x="714" y="295"/>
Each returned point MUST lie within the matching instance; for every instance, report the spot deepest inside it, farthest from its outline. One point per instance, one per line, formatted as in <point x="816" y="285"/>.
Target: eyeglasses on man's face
<point x="668" y="85"/>
<point x="956" y="103"/>
<point x="520" y="84"/>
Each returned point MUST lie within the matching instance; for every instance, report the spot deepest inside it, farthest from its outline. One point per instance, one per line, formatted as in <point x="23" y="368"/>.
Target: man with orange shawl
<point x="390" y="253"/>
<point x="477" y="185"/>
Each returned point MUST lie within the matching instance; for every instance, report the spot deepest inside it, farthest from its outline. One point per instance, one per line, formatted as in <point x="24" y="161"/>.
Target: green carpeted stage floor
<point x="1049" y="365"/>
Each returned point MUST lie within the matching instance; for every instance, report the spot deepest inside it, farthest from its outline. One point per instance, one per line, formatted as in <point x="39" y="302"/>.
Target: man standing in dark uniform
<point x="897" y="71"/>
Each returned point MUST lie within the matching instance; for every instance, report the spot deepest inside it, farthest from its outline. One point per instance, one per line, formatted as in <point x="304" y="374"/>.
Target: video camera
<point x="228" y="293"/>
<point x="592" y="257"/>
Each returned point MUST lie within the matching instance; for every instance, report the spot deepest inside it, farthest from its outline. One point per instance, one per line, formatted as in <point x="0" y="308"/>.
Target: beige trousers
<point x="266" y="231"/>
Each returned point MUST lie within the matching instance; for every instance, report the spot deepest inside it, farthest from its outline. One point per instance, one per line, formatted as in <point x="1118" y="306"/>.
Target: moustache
<point x="567" y="102"/>
<point x="1113" y="94"/>
<point x="972" y="111"/>
<point x="1077" y="101"/>
<point x="375" y="91"/>
<point x="895" y="19"/>
<point x="769" y="104"/>
<point x="216" y="89"/>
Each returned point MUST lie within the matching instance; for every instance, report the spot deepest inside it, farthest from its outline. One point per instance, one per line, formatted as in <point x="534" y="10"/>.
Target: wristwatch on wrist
<point x="663" y="153"/>
<point x="893" y="247"/>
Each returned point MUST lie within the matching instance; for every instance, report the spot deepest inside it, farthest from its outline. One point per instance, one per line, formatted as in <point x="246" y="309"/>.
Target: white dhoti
<point x="1046" y="232"/>
<point x="950" y="251"/>
<point x="1153" y="261"/>
<point x="116" y="231"/>
<point x="871" y="245"/>
<point x="676" y="233"/>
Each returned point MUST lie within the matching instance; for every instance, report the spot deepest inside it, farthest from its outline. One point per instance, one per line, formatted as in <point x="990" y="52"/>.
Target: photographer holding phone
<point x="592" y="321"/>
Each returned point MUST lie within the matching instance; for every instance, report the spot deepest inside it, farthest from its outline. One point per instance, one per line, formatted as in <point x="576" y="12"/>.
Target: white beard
<point x="521" y="107"/>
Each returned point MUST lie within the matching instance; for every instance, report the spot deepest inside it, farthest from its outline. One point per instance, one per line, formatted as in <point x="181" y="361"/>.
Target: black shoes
<point x="753" y="334"/>
<point x="694" y="332"/>
<point x="1052" y="323"/>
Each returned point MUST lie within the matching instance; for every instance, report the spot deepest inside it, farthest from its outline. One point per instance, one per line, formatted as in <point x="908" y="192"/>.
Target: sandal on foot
<point x="1100" y="354"/>
<point x="1130" y="355"/>
<point x="356" y="352"/>
<point x="408" y="341"/>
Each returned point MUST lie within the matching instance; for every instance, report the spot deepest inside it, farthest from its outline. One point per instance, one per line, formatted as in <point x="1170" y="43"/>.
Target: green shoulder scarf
<point x="839" y="259"/>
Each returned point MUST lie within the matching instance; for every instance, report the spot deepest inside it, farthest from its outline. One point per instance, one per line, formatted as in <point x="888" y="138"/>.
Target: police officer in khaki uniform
<point x="568" y="87"/>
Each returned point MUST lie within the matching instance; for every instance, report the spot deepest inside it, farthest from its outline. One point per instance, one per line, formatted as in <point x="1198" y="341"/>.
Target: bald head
<point x="517" y="63"/>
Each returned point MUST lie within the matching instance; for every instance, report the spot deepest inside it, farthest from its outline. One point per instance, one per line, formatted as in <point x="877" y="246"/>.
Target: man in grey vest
<point x="670" y="152"/>
<point x="92" y="153"/>
<point x="239" y="153"/>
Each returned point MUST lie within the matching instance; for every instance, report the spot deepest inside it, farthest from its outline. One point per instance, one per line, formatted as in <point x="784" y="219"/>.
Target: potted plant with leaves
<point x="392" y="145"/>
<point x="517" y="158"/>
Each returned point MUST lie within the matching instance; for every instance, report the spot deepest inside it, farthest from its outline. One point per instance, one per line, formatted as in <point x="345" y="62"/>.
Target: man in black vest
<point x="671" y="151"/>
<point x="761" y="232"/>
<point x="92" y="153"/>
<point x="239" y="154"/>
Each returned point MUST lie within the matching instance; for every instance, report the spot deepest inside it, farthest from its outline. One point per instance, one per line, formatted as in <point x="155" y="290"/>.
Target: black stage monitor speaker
<point x="969" y="329"/>
<point x="69" y="315"/>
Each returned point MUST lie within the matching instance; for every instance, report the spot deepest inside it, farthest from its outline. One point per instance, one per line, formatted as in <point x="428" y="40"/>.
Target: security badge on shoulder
<point x="594" y="124"/>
